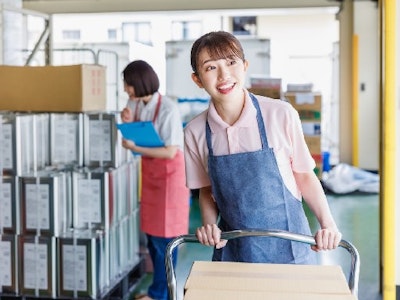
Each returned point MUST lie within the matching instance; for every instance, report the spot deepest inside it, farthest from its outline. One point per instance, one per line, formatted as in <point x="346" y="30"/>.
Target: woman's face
<point x="220" y="77"/>
<point x="130" y="90"/>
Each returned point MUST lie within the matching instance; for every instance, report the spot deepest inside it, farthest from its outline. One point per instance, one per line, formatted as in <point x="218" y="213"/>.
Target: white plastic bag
<point x="344" y="178"/>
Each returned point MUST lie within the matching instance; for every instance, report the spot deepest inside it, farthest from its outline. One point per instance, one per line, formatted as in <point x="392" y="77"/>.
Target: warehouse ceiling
<point x="105" y="6"/>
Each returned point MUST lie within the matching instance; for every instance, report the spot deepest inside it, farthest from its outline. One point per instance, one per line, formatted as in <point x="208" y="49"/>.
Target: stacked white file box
<point x="69" y="205"/>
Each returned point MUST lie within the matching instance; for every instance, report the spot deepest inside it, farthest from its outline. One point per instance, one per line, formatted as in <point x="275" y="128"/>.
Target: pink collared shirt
<point x="284" y="134"/>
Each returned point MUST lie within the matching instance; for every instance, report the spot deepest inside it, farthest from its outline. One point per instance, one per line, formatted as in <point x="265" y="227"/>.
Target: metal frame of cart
<point x="191" y="238"/>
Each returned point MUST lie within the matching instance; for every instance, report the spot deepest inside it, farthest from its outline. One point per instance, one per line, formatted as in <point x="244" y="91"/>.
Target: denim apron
<point x="250" y="194"/>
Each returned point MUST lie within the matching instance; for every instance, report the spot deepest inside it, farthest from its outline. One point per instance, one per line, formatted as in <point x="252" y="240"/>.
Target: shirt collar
<point x="246" y="119"/>
<point x="152" y="103"/>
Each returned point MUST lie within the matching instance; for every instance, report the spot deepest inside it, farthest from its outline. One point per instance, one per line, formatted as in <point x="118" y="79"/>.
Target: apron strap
<point x="208" y="138"/>
<point x="260" y="122"/>
<point x="157" y="108"/>
<point x="136" y="118"/>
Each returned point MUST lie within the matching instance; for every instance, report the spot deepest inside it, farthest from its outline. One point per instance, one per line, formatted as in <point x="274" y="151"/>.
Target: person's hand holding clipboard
<point x="142" y="134"/>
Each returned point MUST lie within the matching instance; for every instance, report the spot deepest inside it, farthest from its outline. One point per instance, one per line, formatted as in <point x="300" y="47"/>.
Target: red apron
<point x="164" y="203"/>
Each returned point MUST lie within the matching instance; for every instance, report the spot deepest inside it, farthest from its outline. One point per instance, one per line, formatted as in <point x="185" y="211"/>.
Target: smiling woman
<point x="247" y="155"/>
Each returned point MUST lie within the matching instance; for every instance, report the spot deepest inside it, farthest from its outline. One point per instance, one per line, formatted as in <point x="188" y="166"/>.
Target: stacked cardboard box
<point x="266" y="86"/>
<point x="75" y="88"/>
<point x="309" y="106"/>
<point x="233" y="280"/>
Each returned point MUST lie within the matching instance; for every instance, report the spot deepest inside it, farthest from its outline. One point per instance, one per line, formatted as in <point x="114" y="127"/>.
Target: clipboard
<point x="142" y="133"/>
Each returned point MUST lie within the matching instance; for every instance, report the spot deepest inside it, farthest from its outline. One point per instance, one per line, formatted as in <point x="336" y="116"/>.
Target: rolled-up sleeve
<point x="195" y="154"/>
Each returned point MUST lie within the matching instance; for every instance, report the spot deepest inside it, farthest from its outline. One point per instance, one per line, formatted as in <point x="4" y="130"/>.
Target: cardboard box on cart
<point x="73" y="88"/>
<point x="231" y="280"/>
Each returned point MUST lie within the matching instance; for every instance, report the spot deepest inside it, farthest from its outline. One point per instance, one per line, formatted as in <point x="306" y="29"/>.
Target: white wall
<point x="302" y="49"/>
<point x="11" y="32"/>
<point x="366" y="27"/>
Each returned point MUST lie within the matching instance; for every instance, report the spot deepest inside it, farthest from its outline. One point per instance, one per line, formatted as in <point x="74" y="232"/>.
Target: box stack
<point x="76" y="88"/>
<point x="69" y="190"/>
<point x="308" y="105"/>
<point x="266" y="86"/>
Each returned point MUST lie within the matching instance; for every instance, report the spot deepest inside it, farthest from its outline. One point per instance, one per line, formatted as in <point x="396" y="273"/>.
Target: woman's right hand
<point x="210" y="235"/>
<point x="127" y="115"/>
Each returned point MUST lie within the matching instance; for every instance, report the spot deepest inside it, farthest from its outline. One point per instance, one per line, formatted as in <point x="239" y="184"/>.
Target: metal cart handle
<point x="191" y="238"/>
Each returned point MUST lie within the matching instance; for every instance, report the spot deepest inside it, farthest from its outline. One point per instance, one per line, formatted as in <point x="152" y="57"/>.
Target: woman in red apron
<point x="164" y="202"/>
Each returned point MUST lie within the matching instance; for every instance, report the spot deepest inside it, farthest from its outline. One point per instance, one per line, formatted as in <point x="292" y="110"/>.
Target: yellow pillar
<point x="388" y="144"/>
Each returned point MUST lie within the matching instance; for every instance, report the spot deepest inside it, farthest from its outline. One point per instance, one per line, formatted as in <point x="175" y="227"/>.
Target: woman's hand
<point x="127" y="115"/>
<point x="327" y="239"/>
<point x="210" y="235"/>
<point x="128" y="144"/>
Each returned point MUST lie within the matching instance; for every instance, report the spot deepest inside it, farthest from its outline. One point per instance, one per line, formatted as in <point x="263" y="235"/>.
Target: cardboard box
<point x="266" y="86"/>
<point x="318" y="170"/>
<point x="274" y="93"/>
<point x="311" y="128"/>
<point x="197" y="294"/>
<point x="87" y="251"/>
<point x="232" y="280"/>
<point x="75" y="88"/>
<point x="309" y="115"/>
<point x="313" y="143"/>
<point x="317" y="158"/>
<point x="37" y="266"/>
<point x="261" y="81"/>
<point x="299" y="87"/>
<point x="304" y="101"/>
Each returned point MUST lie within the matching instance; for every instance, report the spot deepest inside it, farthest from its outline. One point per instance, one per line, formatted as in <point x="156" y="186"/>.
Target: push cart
<point x="191" y="238"/>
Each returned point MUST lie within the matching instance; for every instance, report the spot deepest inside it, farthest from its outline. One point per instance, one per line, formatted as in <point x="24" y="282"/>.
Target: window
<point x="244" y="25"/>
<point x="112" y="34"/>
<point x="137" y="31"/>
<point x="186" y="30"/>
<point x="74" y="35"/>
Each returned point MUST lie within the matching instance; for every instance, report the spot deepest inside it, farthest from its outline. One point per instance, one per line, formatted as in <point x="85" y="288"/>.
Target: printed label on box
<point x="311" y="128"/>
<point x="100" y="140"/>
<point x="304" y="98"/>
<point x="74" y="267"/>
<point x="35" y="266"/>
<point x="65" y="142"/>
<point x="6" y="145"/>
<point x="90" y="199"/>
<point x="5" y="263"/>
<point x="5" y="205"/>
<point x="37" y="206"/>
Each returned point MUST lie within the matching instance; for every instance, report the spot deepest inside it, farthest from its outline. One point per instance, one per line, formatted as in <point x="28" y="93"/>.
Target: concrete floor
<point x="357" y="218"/>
